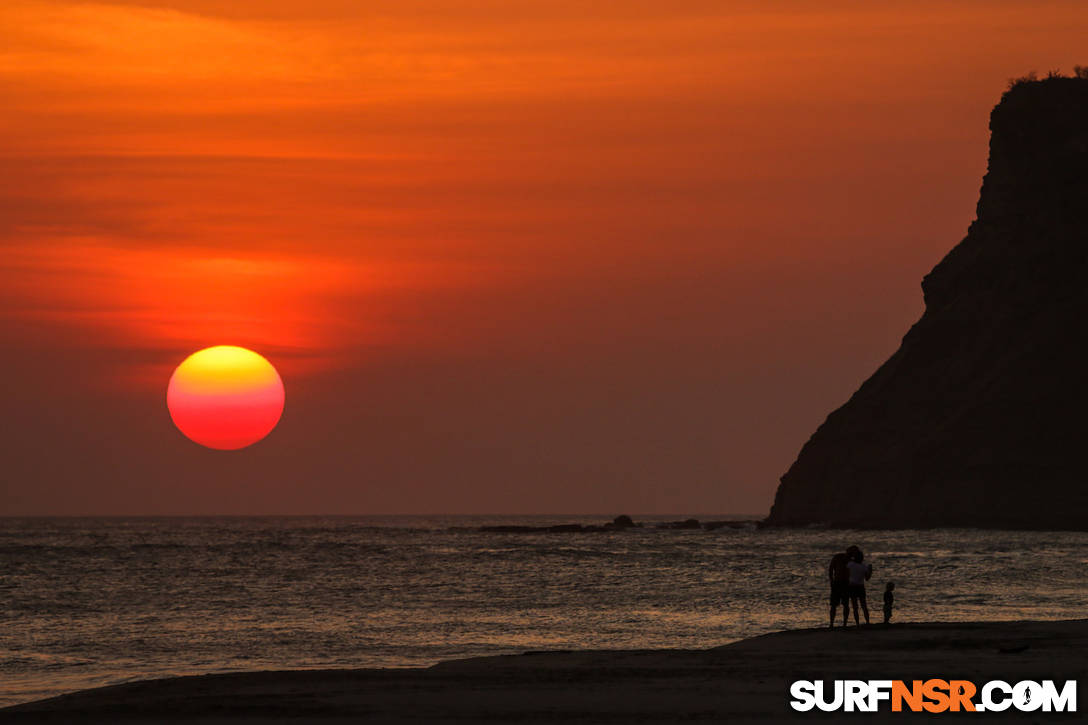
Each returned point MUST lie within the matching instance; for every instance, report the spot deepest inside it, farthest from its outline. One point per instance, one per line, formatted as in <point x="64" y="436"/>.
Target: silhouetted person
<point x="858" y="573"/>
<point x="839" y="577"/>
<point x="889" y="601"/>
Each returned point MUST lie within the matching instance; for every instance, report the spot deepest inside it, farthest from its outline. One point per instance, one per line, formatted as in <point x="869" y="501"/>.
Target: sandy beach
<point x="746" y="680"/>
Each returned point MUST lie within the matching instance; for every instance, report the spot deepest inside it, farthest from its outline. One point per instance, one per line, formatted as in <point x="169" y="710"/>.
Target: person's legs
<point x="864" y="606"/>
<point x="854" y="604"/>
<point x="834" y="600"/>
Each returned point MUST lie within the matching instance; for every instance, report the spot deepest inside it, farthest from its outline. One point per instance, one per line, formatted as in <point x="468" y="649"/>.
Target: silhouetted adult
<point x="858" y="573"/>
<point x="839" y="576"/>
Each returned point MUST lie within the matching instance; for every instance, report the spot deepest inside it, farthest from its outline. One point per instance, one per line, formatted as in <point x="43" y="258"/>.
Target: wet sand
<point x="743" y="681"/>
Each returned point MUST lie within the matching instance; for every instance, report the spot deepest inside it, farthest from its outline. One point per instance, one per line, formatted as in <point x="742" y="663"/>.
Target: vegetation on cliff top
<point x="1079" y="72"/>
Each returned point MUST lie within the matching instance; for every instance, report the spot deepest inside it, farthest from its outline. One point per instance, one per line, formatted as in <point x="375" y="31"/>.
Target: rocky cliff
<point x="981" y="417"/>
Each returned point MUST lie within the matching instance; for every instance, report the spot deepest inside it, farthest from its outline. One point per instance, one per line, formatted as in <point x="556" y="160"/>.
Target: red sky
<point x="507" y="256"/>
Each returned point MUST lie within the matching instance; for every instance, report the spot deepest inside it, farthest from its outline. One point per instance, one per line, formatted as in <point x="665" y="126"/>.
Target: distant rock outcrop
<point x="623" y="522"/>
<point x="981" y="417"/>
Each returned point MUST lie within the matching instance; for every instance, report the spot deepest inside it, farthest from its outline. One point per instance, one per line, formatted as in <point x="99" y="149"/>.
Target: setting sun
<point x="225" y="397"/>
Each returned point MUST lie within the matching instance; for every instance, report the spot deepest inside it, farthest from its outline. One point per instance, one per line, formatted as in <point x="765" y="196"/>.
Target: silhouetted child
<point x="889" y="601"/>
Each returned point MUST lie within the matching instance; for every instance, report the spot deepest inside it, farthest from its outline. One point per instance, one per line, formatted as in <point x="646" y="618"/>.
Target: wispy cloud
<point x="310" y="311"/>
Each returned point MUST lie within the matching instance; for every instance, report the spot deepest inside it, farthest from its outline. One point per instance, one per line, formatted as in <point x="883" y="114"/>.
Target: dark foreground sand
<point x="743" y="681"/>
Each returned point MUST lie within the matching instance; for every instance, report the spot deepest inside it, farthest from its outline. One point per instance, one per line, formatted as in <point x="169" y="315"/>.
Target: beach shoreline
<point x="744" y="680"/>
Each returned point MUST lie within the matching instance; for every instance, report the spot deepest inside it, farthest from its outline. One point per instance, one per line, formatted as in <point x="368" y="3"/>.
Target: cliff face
<point x="981" y="417"/>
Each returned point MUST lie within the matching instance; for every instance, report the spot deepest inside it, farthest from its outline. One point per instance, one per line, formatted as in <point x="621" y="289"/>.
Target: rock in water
<point x="981" y="417"/>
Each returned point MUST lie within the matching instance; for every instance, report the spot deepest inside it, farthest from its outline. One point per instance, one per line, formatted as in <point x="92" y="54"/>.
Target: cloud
<point x="312" y="311"/>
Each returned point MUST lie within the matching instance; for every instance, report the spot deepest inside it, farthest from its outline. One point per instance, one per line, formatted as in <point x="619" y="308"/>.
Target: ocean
<point x="86" y="602"/>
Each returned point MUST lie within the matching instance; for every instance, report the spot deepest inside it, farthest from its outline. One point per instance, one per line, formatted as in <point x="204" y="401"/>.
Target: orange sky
<point x="508" y="256"/>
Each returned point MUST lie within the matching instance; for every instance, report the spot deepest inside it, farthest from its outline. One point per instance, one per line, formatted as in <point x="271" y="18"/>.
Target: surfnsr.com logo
<point x="933" y="696"/>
